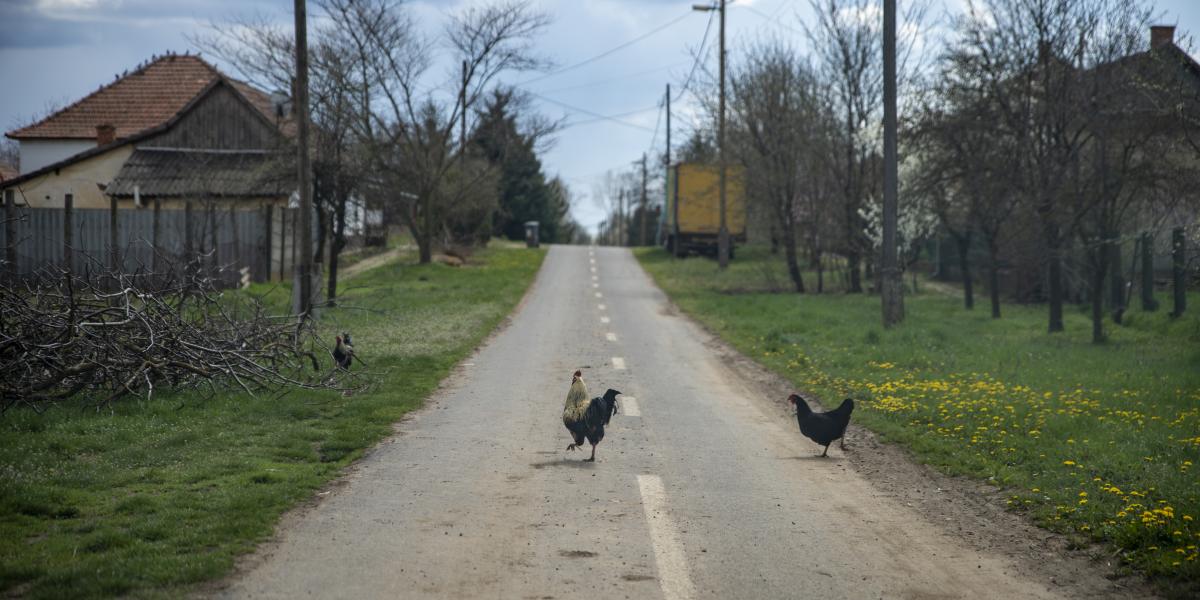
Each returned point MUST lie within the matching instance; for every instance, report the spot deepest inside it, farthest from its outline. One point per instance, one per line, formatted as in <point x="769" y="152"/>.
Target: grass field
<point x="150" y="499"/>
<point x="1098" y="441"/>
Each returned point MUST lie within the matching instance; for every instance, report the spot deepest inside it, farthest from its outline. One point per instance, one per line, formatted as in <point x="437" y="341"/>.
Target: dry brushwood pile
<point x="110" y="337"/>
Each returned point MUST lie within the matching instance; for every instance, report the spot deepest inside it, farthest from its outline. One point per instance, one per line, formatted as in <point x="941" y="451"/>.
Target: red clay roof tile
<point x="145" y="98"/>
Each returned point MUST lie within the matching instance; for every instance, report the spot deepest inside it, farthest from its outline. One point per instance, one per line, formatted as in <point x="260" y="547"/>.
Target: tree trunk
<point x="789" y="250"/>
<point x="853" y="263"/>
<point x="963" y="242"/>
<point x="425" y="238"/>
<point x="1149" y="303"/>
<point x="322" y="235"/>
<point x="820" y="269"/>
<point x="335" y="250"/>
<point x="1055" y="292"/>
<point x="994" y="277"/>
<point x="1178" y="271"/>
<point x="1116" y="289"/>
<point x="1099" y="264"/>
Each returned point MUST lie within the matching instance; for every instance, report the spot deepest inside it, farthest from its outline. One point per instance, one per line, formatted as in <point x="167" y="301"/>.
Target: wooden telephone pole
<point x="303" y="269"/>
<point x="891" y="290"/>
<point x="642" y="234"/>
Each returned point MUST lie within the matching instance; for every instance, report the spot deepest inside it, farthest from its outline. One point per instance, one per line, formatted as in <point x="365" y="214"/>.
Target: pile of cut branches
<point x="114" y="336"/>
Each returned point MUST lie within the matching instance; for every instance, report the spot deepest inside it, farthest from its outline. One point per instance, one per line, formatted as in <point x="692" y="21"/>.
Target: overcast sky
<point x="53" y="52"/>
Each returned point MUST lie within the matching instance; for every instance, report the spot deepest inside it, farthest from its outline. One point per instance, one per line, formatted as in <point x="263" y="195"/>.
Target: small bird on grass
<point x="823" y="428"/>
<point x="584" y="418"/>
<point x="343" y="351"/>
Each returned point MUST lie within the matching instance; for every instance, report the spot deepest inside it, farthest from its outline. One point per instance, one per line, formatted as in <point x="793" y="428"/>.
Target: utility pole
<point x="723" y="232"/>
<point x="303" y="270"/>
<point x="621" y="217"/>
<point x="667" y="184"/>
<point x="642" y="235"/>
<point x="891" y="290"/>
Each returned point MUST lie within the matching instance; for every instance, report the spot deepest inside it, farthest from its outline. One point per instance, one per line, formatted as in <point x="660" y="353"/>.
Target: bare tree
<point x="410" y="130"/>
<point x="848" y="47"/>
<point x="777" y="114"/>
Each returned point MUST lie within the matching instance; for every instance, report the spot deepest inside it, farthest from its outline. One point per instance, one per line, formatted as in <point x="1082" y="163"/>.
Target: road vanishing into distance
<point x="701" y="489"/>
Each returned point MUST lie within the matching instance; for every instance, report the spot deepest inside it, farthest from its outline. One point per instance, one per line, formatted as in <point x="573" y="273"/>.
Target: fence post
<point x="187" y="230"/>
<point x="282" y="243"/>
<point x="237" y="241"/>
<point x="156" y="228"/>
<point x="268" y="246"/>
<point x="1178" y="270"/>
<point x="10" y="232"/>
<point x="68" y="209"/>
<point x="114" y="250"/>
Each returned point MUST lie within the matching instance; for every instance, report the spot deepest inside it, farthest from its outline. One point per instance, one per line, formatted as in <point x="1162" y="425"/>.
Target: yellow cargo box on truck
<point x="693" y="215"/>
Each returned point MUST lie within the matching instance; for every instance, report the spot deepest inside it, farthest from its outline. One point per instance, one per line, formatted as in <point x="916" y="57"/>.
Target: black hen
<point x="823" y="428"/>
<point x="584" y="418"/>
<point x="343" y="352"/>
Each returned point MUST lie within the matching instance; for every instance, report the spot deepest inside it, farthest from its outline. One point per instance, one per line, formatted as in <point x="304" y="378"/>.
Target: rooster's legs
<point x="826" y="452"/>
<point x="571" y="447"/>
<point x="593" y="458"/>
<point x="843" y="443"/>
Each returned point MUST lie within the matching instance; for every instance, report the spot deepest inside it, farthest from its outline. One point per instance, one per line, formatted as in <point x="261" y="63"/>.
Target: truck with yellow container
<point x="692" y="218"/>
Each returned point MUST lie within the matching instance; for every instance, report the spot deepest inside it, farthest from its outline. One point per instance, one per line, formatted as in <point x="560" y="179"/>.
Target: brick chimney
<point x="1161" y="35"/>
<point x="105" y="134"/>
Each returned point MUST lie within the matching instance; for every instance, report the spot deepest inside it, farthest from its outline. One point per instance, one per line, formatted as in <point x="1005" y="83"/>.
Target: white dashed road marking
<point x="600" y="306"/>
<point x="668" y="553"/>
<point x="595" y="285"/>
<point x="612" y="337"/>
<point x="604" y="320"/>
<point x="599" y="295"/>
<point x="618" y="363"/>
<point x="629" y="406"/>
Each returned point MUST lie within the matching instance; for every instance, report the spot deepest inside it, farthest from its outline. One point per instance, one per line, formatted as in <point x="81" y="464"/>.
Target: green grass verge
<point x="149" y="499"/>
<point x="1098" y="441"/>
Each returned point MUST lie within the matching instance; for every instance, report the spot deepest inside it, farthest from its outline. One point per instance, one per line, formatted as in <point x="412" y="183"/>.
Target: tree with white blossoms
<point x="916" y="223"/>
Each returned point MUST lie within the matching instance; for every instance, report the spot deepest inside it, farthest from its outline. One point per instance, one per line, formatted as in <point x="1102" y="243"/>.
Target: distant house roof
<point x="187" y="172"/>
<point x="138" y="101"/>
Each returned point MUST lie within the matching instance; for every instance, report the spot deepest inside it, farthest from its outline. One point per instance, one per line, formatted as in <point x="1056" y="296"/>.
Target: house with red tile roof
<point x="173" y="135"/>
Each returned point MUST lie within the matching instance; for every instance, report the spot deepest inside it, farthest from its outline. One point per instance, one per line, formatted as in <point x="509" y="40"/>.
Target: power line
<point x="597" y="116"/>
<point x="699" y="57"/>
<point x="770" y="19"/>
<point x="611" y="117"/>
<point x="598" y="82"/>
<point x="609" y="51"/>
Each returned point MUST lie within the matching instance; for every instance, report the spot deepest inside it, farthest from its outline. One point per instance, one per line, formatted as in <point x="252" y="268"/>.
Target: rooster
<point x="823" y="428"/>
<point x="584" y="418"/>
<point x="343" y="352"/>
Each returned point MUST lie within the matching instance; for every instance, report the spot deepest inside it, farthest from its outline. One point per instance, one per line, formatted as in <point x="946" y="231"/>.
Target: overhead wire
<point x="597" y="116"/>
<point x="598" y="82"/>
<point x="699" y="57"/>
<point x="609" y="51"/>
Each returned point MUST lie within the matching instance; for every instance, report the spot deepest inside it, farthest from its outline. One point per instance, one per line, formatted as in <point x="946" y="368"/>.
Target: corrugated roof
<point x="138" y="101"/>
<point x="190" y="173"/>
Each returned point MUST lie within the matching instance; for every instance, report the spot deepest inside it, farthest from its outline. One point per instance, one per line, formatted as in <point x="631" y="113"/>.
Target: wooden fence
<point x="258" y="244"/>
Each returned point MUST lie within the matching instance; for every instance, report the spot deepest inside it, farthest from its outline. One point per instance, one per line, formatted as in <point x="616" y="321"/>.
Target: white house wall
<point x="36" y="154"/>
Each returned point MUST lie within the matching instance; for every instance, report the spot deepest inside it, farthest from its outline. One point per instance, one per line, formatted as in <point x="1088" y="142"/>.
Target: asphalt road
<point x="700" y="490"/>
